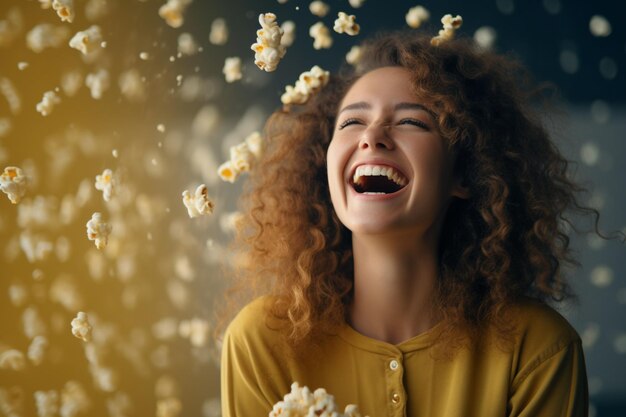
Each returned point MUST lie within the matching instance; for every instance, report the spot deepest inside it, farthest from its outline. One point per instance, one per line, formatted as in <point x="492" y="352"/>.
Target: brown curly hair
<point x="506" y="242"/>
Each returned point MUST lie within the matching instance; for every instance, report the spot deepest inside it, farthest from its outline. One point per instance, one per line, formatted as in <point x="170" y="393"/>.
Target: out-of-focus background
<point x="151" y="103"/>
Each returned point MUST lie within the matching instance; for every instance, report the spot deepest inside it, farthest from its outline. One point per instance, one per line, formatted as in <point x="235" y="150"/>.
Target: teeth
<point x="377" y="170"/>
<point x="368" y="192"/>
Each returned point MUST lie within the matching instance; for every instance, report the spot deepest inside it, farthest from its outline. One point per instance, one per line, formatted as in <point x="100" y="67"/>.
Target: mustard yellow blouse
<point x="542" y="376"/>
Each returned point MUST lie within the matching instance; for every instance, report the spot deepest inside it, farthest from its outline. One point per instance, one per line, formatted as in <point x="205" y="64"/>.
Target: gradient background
<point x="161" y="266"/>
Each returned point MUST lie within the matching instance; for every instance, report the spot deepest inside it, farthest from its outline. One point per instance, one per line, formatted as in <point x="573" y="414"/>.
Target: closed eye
<point x="414" y="122"/>
<point x="348" y="122"/>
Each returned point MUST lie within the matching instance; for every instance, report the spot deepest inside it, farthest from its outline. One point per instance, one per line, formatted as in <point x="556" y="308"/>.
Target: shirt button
<point x="395" y="398"/>
<point x="394" y="365"/>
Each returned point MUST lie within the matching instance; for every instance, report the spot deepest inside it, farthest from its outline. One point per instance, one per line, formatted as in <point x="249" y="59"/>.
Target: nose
<point x="376" y="136"/>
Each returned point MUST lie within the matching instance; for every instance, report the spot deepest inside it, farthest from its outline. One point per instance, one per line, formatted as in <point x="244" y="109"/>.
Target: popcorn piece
<point x="18" y="294"/>
<point x="289" y="33"/>
<point x="74" y="400"/>
<point x="12" y="401"/>
<point x="301" y="402"/>
<point x="5" y="128"/>
<point x="169" y="407"/>
<point x="88" y="40"/>
<point x="187" y="44"/>
<point x="172" y="12"/>
<point x="37" y="350"/>
<point x="241" y="157"/>
<point x="199" y="203"/>
<point x="96" y="9"/>
<point x="450" y="25"/>
<point x="345" y="24"/>
<point x="11" y="27"/>
<point x="354" y="55"/>
<point x="132" y="86"/>
<point x="46" y="35"/>
<point x="318" y="8"/>
<point x="65" y="9"/>
<point x="321" y="36"/>
<point x="232" y="69"/>
<point x="81" y="327"/>
<point x="106" y="183"/>
<point x="45" y="4"/>
<point x="416" y="16"/>
<point x="229" y="221"/>
<point x="71" y="82"/>
<point x="12" y="359"/>
<point x="98" y="230"/>
<point x="227" y="172"/>
<point x="33" y="323"/>
<point x="196" y="330"/>
<point x="356" y="3"/>
<point x="255" y="144"/>
<point x="47" y="103"/>
<point x="219" y="32"/>
<point x="98" y="83"/>
<point x="308" y="84"/>
<point x="9" y="92"/>
<point x="13" y="183"/>
<point x="485" y="36"/>
<point x="268" y="49"/>
<point x="47" y="403"/>
<point x="22" y="65"/>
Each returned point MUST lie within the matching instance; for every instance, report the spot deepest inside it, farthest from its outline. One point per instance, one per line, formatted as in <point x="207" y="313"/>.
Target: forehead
<point x="386" y="83"/>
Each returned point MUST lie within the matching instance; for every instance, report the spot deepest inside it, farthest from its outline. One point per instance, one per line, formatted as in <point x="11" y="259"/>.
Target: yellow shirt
<point x="542" y="376"/>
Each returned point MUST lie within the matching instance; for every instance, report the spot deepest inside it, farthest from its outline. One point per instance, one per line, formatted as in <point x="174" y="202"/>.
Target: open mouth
<point x="377" y="179"/>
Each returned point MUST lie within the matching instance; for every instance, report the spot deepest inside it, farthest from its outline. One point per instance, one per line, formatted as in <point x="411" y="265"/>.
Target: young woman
<point x="404" y="233"/>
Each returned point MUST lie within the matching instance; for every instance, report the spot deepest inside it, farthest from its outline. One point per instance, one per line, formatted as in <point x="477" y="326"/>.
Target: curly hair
<point x="508" y="241"/>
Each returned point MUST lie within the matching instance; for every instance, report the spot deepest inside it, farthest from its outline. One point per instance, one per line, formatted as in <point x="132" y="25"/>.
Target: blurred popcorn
<point x="199" y="203"/>
<point x="321" y="36"/>
<point x="183" y="268"/>
<point x="227" y="172"/>
<point x="65" y="9"/>
<point x="356" y="3"/>
<point x="10" y="93"/>
<point x="22" y="65"/>
<point x="354" y="55"/>
<point x="81" y="327"/>
<point x="196" y="330"/>
<point x="5" y="128"/>
<point x="33" y="323"/>
<point x="64" y="292"/>
<point x="450" y="25"/>
<point x="318" y="8"/>
<point x="46" y="35"/>
<point x="169" y="407"/>
<point x="35" y="247"/>
<point x="219" y="32"/>
<point x="106" y="183"/>
<point x="602" y="276"/>
<point x="18" y="295"/>
<point x="232" y="69"/>
<point x="119" y="405"/>
<point x="165" y="387"/>
<point x="47" y="403"/>
<point x="47" y="103"/>
<point x="88" y="40"/>
<point x="96" y="9"/>
<point x="345" y="24"/>
<point x="178" y="294"/>
<point x="289" y="33"/>
<point x="131" y="85"/>
<point x="13" y="183"/>
<point x="300" y="402"/>
<point x="71" y="82"/>
<point x="599" y="26"/>
<point x="98" y="230"/>
<point x="308" y="84"/>
<point x="212" y="407"/>
<point x="416" y="16"/>
<point x="268" y="49"/>
<point x="37" y="350"/>
<point x="205" y="120"/>
<point x="229" y="221"/>
<point x="74" y="400"/>
<point x="98" y="83"/>
<point x="11" y="27"/>
<point x="241" y="157"/>
<point x="12" y="360"/>
<point x="11" y="401"/>
<point x="104" y="378"/>
<point x="187" y="44"/>
<point x="165" y="329"/>
<point x="485" y="36"/>
<point x="255" y="144"/>
<point x="172" y="12"/>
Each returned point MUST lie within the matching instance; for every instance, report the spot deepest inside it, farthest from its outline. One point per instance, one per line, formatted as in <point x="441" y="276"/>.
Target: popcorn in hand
<point x="87" y="40"/>
<point x="13" y="183"/>
<point x="107" y="184"/>
<point x="65" y="9"/>
<point x="81" y="327"/>
<point x="300" y="402"/>
<point x="232" y="69"/>
<point x="268" y="48"/>
<point x="219" y="32"/>
<point x="199" y="203"/>
<point x="416" y="16"/>
<point x="47" y="103"/>
<point x="98" y="230"/>
<point x="345" y="24"/>
<point x="354" y="55"/>
<point x="172" y="12"/>
<point x="318" y="8"/>
<point x="321" y="36"/>
<point x="308" y="84"/>
<point x="450" y="25"/>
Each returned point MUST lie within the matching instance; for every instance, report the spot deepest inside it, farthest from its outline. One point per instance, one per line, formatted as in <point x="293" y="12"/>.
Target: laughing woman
<point x="403" y="237"/>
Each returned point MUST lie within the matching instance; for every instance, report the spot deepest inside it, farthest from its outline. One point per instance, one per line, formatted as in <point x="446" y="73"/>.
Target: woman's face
<point x="388" y="167"/>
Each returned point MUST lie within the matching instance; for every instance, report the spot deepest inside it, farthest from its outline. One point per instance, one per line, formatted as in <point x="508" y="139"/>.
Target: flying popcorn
<point x="255" y="144"/>
<point x="74" y="400"/>
<point x="46" y="35"/>
<point x="71" y="82"/>
<point x="289" y="33"/>
<point x="13" y="183"/>
<point x="88" y="40"/>
<point x="65" y="9"/>
<point x="416" y="16"/>
<point x="354" y="55"/>
<point x="196" y="330"/>
<point x="308" y="84"/>
<point x="318" y="8"/>
<point x="11" y="27"/>
<point x="300" y="402"/>
<point x="187" y="44"/>
<point x="172" y="12"/>
<point x="81" y="327"/>
<point x="219" y="32"/>
<point x="169" y="407"/>
<point x="321" y="36"/>
<point x="268" y="49"/>
<point x="345" y="24"/>
<point x="227" y="172"/>
<point x="450" y="25"/>
<point x="47" y="403"/>
<point x="97" y="83"/>
<point x="356" y="3"/>
<point x="106" y="183"/>
<point x="199" y="203"/>
<point x="47" y="103"/>
<point x="8" y="90"/>
<point x="132" y="86"/>
<point x="98" y="230"/>
<point x="232" y="69"/>
<point x="242" y="157"/>
<point x="12" y="359"/>
<point x="37" y="349"/>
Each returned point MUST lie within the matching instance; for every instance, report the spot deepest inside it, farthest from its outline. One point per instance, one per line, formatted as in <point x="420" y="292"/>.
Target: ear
<point x="458" y="190"/>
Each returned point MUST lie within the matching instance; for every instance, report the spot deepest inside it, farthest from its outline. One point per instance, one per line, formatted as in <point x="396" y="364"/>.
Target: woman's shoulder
<point x="253" y="323"/>
<point x="536" y="320"/>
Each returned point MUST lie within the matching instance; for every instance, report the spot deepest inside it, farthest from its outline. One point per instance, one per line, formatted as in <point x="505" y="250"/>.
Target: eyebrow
<point x="363" y="105"/>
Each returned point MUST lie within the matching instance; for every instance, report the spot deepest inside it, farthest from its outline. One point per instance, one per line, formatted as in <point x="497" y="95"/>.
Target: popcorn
<point x="33" y="323"/>
<point x="308" y="84"/>
<point x="96" y="9"/>
<point x="172" y="12"/>
<point x="268" y="49"/>
<point x="199" y="203"/>
<point x="46" y="35"/>
<point x="11" y="27"/>
<point x="9" y="92"/>
<point x="169" y="407"/>
<point x="187" y="44"/>
<point x="132" y="86"/>
<point x="106" y="183"/>
<point x="196" y="330"/>
<point x="65" y="9"/>
<point x="13" y="183"/>
<point x="321" y="36"/>
<point x="71" y="82"/>
<point x="354" y="55"/>
<point x="289" y="33"/>
<point x="18" y="294"/>
<point x="74" y="400"/>
<point x="356" y="3"/>
<point x="98" y="230"/>
<point x="97" y="83"/>
<point x="45" y="4"/>
<point x="300" y="402"/>
<point x="81" y="327"/>
<point x="232" y="69"/>
<point x="219" y="32"/>
<point x="12" y="359"/>
<point x="11" y="401"/>
<point x="485" y="36"/>
<point x="242" y="157"/>
<point x="47" y="103"/>
<point x="229" y="221"/>
<point x="227" y="172"/>
<point x="35" y="247"/>
<point x="345" y="24"/>
<point x="88" y="40"/>
<point x="416" y="16"/>
<point x="255" y="144"/>
<point x="37" y="349"/>
<point x="318" y="8"/>
<point x="47" y="403"/>
<point x="450" y="25"/>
